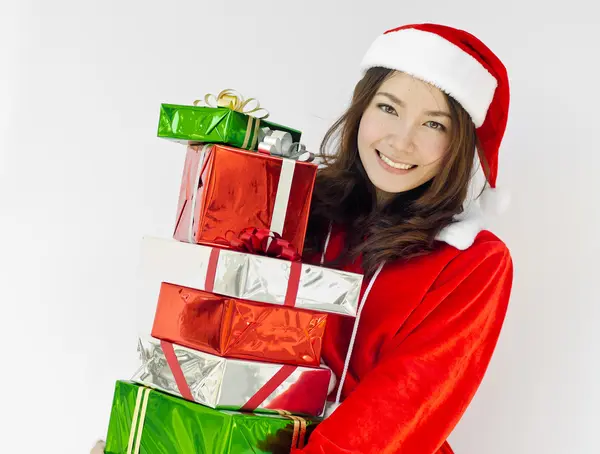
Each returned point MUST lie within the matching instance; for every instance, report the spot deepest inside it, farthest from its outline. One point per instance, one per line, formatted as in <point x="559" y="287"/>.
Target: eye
<point x="436" y="125"/>
<point x="387" y="108"/>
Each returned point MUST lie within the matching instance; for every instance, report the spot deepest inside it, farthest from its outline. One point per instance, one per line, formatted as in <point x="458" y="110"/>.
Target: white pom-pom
<point x="494" y="201"/>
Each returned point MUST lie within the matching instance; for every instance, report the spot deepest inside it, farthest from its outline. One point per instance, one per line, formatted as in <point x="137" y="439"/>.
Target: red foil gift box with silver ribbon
<point x="225" y="190"/>
<point x="231" y="384"/>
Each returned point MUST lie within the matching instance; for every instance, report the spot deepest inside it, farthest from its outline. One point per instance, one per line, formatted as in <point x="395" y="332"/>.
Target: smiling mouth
<point x="394" y="164"/>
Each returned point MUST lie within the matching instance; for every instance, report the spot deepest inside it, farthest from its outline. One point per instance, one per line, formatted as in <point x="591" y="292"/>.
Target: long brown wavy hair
<point x="407" y="226"/>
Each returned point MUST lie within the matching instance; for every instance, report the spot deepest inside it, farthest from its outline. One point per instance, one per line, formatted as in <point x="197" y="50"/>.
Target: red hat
<point x="460" y="65"/>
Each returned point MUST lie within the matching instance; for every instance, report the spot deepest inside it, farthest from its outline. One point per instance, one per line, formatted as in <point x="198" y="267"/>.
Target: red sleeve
<point x="417" y="393"/>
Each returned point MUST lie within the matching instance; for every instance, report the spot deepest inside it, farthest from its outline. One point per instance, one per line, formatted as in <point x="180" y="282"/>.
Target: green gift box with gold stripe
<point x="222" y="125"/>
<point x="146" y="421"/>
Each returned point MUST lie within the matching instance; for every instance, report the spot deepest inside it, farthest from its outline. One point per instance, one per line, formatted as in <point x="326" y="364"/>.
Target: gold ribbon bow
<point x="233" y="100"/>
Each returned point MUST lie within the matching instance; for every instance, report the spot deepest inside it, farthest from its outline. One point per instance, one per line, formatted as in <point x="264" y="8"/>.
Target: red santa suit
<point x="425" y="338"/>
<point x="413" y="358"/>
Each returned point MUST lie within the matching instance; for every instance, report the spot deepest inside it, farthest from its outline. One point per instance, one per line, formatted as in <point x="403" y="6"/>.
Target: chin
<point x="393" y="187"/>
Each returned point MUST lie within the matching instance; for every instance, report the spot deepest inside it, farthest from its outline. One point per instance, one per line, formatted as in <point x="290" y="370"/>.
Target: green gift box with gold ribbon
<point x="146" y="421"/>
<point x="225" y="119"/>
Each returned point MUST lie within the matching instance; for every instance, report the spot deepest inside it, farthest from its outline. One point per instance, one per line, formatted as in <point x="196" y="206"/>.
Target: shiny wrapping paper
<point x="145" y="421"/>
<point x="214" y="125"/>
<point x="231" y="384"/>
<point x="250" y="277"/>
<point x="235" y="328"/>
<point x="225" y="190"/>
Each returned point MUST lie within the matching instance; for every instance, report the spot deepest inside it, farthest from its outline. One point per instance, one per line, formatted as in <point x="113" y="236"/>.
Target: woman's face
<point x="403" y="134"/>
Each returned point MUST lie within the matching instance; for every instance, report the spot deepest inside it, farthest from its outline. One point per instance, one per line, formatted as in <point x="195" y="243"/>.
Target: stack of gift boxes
<point x="233" y="363"/>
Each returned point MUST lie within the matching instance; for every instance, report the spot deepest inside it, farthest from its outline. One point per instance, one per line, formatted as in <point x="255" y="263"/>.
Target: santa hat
<point x="462" y="66"/>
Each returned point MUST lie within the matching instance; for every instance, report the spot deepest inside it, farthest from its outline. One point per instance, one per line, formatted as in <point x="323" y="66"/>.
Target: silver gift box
<point x="251" y="277"/>
<point x="230" y="384"/>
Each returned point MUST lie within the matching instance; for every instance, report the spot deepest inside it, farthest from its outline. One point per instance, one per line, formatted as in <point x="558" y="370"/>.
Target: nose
<point x="401" y="139"/>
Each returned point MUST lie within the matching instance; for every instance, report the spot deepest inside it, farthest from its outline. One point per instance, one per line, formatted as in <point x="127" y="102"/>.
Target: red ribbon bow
<point x="263" y="242"/>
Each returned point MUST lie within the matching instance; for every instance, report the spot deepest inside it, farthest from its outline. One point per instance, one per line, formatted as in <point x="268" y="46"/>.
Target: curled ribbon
<point x="298" y="152"/>
<point x="233" y="100"/>
<point x="279" y="143"/>
<point x="262" y="242"/>
<point x="275" y="142"/>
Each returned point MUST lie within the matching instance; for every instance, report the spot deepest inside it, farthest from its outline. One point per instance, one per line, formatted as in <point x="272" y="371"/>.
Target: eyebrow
<point x="395" y="99"/>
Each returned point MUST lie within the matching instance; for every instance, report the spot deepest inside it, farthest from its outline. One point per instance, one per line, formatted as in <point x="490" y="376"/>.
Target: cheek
<point x="369" y="129"/>
<point x="433" y="148"/>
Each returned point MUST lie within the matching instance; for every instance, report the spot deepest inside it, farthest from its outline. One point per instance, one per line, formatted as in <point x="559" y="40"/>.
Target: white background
<point x="83" y="177"/>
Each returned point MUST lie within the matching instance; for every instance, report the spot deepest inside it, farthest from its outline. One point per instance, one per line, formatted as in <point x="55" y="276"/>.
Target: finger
<point x="98" y="448"/>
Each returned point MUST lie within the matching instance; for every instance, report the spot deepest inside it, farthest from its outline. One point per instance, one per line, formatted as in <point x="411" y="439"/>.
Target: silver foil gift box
<point x="251" y="277"/>
<point x="231" y="384"/>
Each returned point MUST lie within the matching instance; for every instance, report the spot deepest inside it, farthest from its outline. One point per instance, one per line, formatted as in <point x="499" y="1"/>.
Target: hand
<point x="99" y="448"/>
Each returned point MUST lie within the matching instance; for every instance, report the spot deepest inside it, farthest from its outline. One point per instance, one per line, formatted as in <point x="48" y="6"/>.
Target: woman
<point x="389" y="204"/>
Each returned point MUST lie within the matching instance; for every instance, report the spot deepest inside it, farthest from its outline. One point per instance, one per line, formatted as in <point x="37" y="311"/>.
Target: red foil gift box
<point x="225" y="190"/>
<point x="236" y="328"/>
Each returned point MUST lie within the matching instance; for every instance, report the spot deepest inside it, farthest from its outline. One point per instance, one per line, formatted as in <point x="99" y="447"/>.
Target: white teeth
<point x="395" y="165"/>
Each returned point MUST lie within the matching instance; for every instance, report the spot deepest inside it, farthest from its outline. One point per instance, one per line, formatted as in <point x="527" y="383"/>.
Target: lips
<point x="394" y="164"/>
